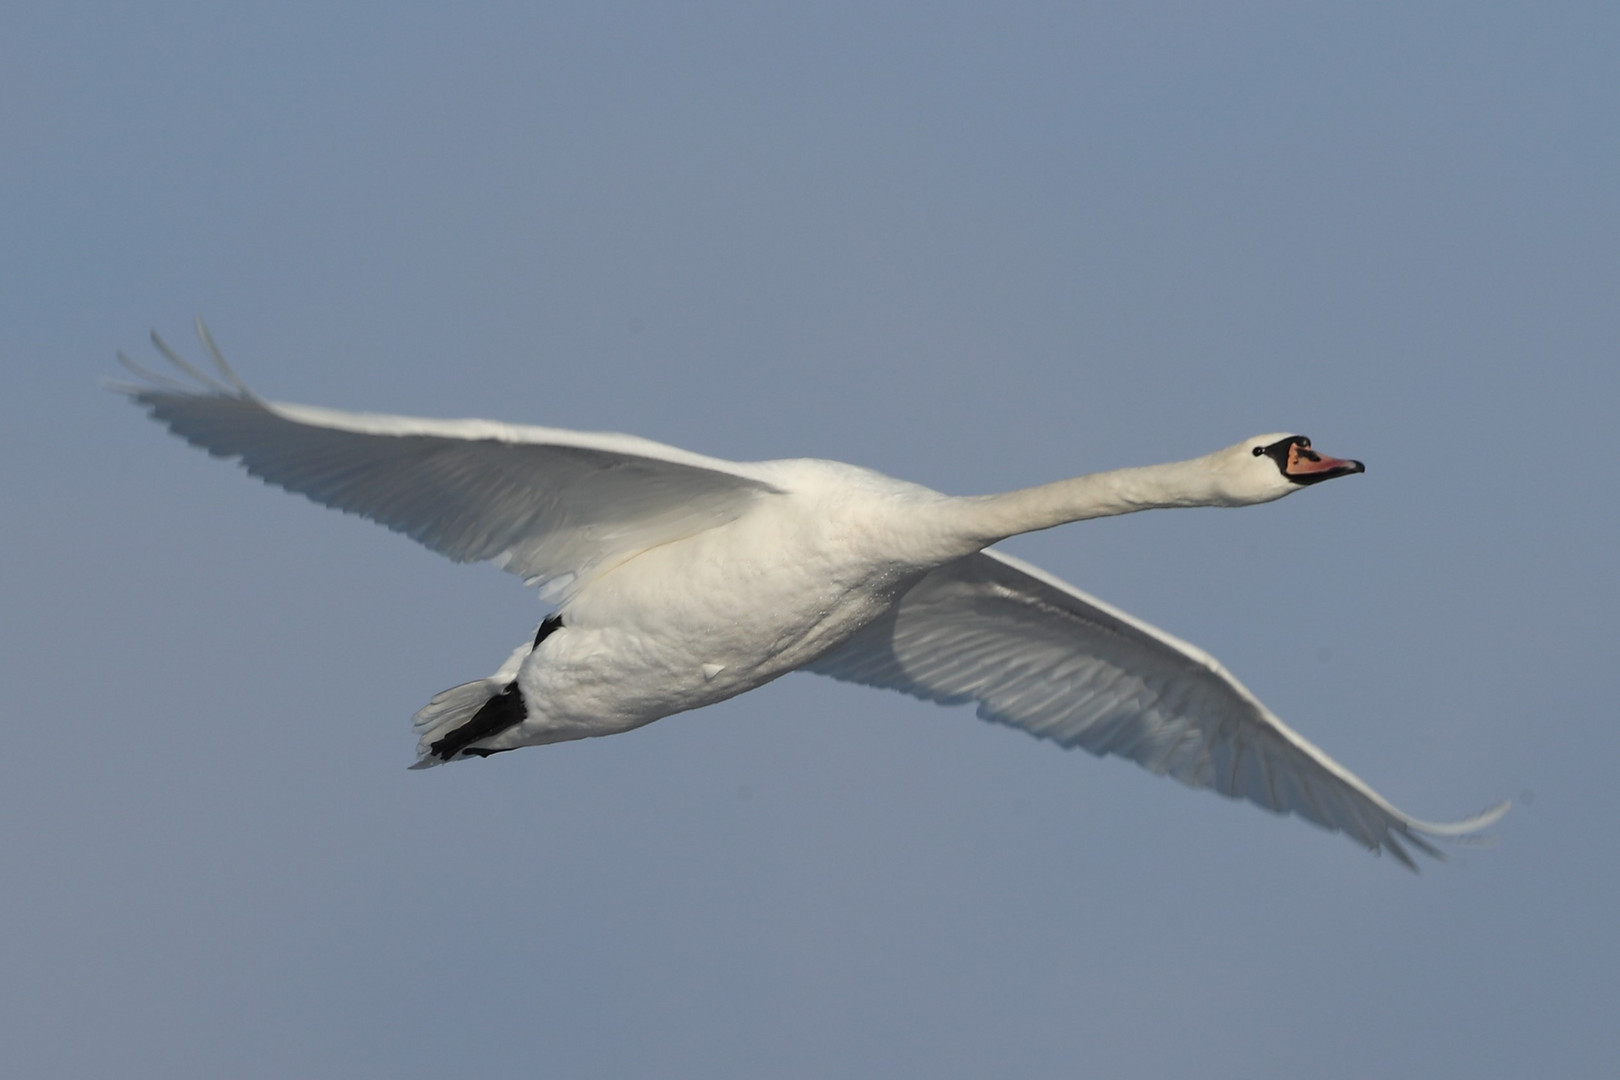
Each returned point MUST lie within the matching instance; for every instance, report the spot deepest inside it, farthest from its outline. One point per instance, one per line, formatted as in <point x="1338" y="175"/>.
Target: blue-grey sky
<point x="974" y="246"/>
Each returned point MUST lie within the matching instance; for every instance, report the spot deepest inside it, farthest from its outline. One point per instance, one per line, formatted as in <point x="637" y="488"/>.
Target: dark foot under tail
<point x="506" y="709"/>
<point x="475" y="711"/>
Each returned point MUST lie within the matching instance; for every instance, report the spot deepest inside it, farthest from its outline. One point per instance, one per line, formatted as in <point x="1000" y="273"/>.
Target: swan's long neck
<point x="988" y="518"/>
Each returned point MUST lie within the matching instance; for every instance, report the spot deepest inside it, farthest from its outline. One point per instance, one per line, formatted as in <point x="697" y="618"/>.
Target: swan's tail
<point x="464" y="714"/>
<point x="448" y="714"/>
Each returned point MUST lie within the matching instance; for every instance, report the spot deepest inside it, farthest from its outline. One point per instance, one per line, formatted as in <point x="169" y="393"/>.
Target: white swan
<point x="682" y="580"/>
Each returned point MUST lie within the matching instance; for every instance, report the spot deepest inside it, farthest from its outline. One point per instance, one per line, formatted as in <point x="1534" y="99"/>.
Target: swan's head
<point x="1268" y="467"/>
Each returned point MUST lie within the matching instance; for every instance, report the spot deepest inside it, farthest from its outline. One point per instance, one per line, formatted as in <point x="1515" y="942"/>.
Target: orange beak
<point x="1306" y="466"/>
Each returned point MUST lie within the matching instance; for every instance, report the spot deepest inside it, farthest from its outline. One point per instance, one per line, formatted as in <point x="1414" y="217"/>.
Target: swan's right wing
<point x="550" y="505"/>
<point x="1038" y="654"/>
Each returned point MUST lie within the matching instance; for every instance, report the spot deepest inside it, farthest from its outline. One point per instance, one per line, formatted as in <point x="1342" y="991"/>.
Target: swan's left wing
<point x="551" y="505"/>
<point x="1038" y="654"/>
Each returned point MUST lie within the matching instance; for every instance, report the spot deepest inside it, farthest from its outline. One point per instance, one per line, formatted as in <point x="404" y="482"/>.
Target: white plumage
<point x="681" y="580"/>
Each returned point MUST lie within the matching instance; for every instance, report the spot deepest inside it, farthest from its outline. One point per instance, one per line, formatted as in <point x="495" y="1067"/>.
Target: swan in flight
<point x="681" y="580"/>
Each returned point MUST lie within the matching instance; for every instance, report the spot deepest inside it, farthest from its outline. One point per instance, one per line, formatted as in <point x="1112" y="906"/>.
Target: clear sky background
<point x="974" y="246"/>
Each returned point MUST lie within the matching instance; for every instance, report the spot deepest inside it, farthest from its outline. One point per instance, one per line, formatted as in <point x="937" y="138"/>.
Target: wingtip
<point x="218" y="358"/>
<point x="1466" y="827"/>
<point x="225" y="383"/>
<point x="149" y="379"/>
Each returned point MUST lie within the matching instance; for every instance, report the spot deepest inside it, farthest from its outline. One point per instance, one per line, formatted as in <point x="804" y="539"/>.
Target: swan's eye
<point x="1259" y="450"/>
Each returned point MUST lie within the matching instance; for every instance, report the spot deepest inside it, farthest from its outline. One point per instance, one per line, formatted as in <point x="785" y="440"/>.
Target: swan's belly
<point x="694" y="622"/>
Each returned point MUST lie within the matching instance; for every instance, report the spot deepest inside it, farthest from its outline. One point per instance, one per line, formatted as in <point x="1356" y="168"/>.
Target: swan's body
<point x="682" y="580"/>
<point x="702" y="618"/>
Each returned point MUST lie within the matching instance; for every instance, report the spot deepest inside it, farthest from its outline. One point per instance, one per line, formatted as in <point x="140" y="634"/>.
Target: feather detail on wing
<point x="551" y="505"/>
<point x="1038" y="654"/>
